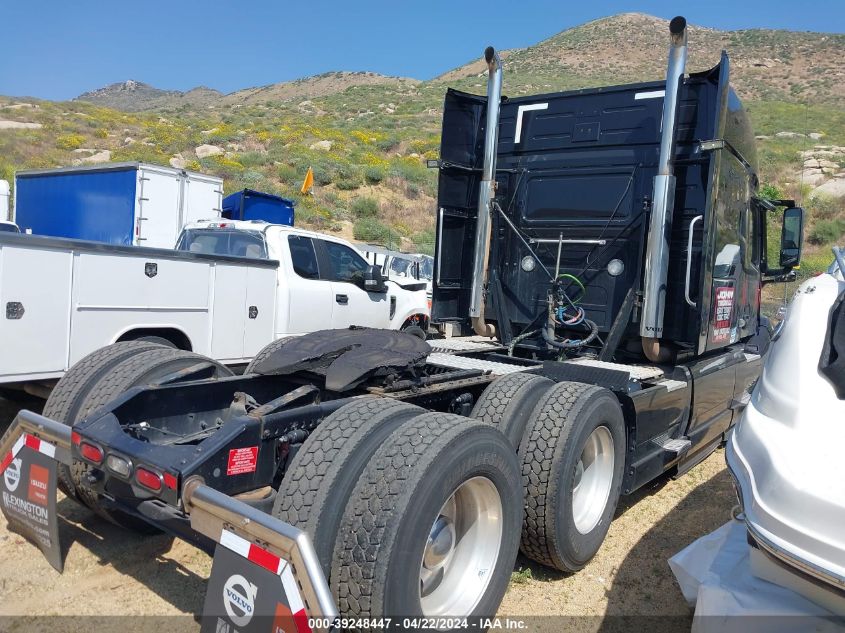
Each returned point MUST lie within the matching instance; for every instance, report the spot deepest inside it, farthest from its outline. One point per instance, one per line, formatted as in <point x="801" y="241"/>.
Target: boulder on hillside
<point x="790" y="135"/>
<point x="204" y="151"/>
<point x="812" y="177"/>
<point x="18" y="125"/>
<point x="103" y="156"/>
<point x="324" y="146"/>
<point x="834" y="188"/>
<point x="178" y="162"/>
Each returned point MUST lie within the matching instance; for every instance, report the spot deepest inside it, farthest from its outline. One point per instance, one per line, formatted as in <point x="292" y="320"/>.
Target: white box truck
<point x="130" y="204"/>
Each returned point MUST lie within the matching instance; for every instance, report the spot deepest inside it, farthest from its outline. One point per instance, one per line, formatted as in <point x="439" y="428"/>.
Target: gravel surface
<point x="109" y="571"/>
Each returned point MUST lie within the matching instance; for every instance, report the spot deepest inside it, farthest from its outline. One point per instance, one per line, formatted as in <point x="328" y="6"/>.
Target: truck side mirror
<point x="791" y="237"/>
<point x="374" y="280"/>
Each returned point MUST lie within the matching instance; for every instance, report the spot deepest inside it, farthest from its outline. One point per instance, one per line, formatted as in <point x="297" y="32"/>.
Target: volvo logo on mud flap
<point x="239" y="599"/>
<point x="12" y="476"/>
<point x="150" y="269"/>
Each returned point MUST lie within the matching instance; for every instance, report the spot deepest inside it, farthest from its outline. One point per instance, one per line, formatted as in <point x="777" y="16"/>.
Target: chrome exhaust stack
<point x="663" y="204"/>
<point x="486" y="193"/>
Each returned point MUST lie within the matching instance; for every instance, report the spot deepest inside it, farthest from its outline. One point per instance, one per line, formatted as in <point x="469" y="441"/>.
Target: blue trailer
<point x="119" y="203"/>
<point x="257" y="205"/>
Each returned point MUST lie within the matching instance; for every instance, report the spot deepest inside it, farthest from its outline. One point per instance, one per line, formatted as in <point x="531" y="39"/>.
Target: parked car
<point x="230" y="289"/>
<point x="785" y="453"/>
<point x="401" y="267"/>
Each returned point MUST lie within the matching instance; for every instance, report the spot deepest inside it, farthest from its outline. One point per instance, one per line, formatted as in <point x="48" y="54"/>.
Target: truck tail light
<point x="93" y="454"/>
<point x="119" y="465"/>
<point x="148" y="479"/>
<point x="170" y="481"/>
<point x="75" y="438"/>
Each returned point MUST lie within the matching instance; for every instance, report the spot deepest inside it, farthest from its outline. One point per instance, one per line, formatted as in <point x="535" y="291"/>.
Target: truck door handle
<point x="689" y="258"/>
<point x="342" y="299"/>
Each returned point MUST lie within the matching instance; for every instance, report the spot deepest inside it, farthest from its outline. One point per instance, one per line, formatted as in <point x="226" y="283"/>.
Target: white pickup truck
<point x="231" y="288"/>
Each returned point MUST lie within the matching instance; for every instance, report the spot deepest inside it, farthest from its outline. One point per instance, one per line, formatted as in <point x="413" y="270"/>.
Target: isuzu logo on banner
<point x="28" y="495"/>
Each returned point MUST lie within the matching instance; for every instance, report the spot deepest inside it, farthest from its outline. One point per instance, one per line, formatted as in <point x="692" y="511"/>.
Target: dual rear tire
<point x="412" y="513"/>
<point x="571" y="441"/>
<point x="98" y="379"/>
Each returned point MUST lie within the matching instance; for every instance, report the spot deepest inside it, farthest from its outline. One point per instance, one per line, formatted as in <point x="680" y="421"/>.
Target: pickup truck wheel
<point x="431" y="528"/>
<point x="415" y="330"/>
<point x="507" y="403"/>
<point x="138" y="369"/>
<point x="265" y="353"/>
<point x="67" y="396"/>
<point x="320" y="479"/>
<point x="573" y="455"/>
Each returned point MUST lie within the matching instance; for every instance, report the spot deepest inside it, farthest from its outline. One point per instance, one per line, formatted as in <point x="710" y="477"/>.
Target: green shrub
<point x="374" y="232"/>
<point x="347" y="178"/>
<point x="826" y="231"/>
<point x="770" y="192"/>
<point x="373" y="175"/>
<point x="289" y="175"/>
<point x="424" y="241"/>
<point x="365" y="208"/>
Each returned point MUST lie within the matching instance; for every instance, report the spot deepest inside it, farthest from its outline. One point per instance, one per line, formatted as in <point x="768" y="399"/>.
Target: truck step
<point x="464" y="345"/>
<point x="637" y="372"/>
<point x="453" y="361"/>
<point x="673" y="445"/>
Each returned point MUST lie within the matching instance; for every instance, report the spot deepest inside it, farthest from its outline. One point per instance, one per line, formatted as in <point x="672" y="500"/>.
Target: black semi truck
<point x="607" y="248"/>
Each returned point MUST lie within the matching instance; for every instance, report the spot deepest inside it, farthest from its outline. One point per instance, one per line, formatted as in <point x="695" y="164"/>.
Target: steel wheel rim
<point x="592" y="480"/>
<point x="461" y="550"/>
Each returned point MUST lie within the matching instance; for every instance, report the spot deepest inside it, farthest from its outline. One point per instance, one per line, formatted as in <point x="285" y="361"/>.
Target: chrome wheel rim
<point x="461" y="550"/>
<point x="592" y="480"/>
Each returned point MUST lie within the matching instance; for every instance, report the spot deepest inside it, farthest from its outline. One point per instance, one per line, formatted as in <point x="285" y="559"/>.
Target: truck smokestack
<point x="657" y="250"/>
<point x="487" y="191"/>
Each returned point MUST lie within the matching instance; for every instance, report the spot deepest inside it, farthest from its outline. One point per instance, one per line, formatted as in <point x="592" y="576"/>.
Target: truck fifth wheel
<point x="606" y="246"/>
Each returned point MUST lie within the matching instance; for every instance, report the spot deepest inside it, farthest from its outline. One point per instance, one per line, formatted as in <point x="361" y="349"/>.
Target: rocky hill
<point x="367" y="136"/>
<point x="135" y="96"/>
<point x="765" y="64"/>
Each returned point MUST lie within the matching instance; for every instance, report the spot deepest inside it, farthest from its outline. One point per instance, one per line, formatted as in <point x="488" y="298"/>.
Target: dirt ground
<point x="109" y="571"/>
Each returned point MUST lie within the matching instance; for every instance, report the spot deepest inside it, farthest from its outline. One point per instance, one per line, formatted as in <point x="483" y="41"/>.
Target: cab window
<point x="346" y="264"/>
<point x="235" y="243"/>
<point x="303" y="257"/>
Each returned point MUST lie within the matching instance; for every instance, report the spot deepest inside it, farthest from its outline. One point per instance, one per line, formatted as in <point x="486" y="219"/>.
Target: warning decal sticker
<point x="242" y="460"/>
<point x="723" y="307"/>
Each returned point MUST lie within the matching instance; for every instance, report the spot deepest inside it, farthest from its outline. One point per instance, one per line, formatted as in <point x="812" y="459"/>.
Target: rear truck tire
<point x="432" y="526"/>
<point x="265" y="352"/>
<point x="141" y="368"/>
<point x="65" y="401"/>
<point x="158" y="340"/>
<point x="507" y="403"/>
<point x="322" y="475"/>
<point x="573" y="457"/>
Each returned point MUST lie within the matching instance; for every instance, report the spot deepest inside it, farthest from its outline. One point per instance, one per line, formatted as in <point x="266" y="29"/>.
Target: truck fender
<point x="408" y="304"/>
<point x="167" y="331"/>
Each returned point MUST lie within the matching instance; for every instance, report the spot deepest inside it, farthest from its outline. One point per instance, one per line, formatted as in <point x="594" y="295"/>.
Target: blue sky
<point x="58" y="49"/>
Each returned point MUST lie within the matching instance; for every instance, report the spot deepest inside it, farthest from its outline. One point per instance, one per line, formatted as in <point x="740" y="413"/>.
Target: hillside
<point x="367" y="136"/>
<point x="135" y="96"/>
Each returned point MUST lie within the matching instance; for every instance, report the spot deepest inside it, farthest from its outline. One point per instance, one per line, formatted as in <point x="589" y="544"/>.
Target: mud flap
<point x="251" y="590"/>
<point x="265" y="575"/>
<point x="28" y="499"/>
